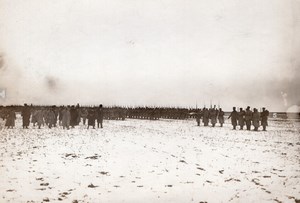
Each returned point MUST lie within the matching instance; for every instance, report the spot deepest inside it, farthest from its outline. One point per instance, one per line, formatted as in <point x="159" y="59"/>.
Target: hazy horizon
<point x="155" y="53"/>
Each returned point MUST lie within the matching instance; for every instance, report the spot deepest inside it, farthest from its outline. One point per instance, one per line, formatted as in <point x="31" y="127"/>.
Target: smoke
<point x="52" y="84"/>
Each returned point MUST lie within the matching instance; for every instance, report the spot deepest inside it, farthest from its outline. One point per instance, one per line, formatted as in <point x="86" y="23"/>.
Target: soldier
<point x="205" y="116"/>
<point x="26" y="116"/>
<point x="213" y="116"/>
<point x="60" y="111"/>
<point x="51" y="117"/>
<point x="39" y="118"/>
<point x="66" y="117"/>
<point x="198" y="117"/>
<point x="221" y="117"/>
<point x="100" y="116"/>
<point x="10" y="118"/>
<point x="248" y="118"/>
<point x="84" y="114"/>
<point x="78" y="114"/>
<point x="241" y="118"/>
<point x="33" y="117"/>
<point x="255" y="119"/>
<point x="264" y="118"/>
<point x="56" y="112"/>
<point x="234" y="116"/>
<point x="91" y="118"/>
<point x="74" y="115"/>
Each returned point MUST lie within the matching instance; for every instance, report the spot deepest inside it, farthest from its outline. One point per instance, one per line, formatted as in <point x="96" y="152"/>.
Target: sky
<point x="159" y="52"/>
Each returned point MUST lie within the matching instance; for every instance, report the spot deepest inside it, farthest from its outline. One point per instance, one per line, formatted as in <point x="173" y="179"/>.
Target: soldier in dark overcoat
<point x="74" y="116"/>
<point x="264" y="118"/>
<point x="255" y="119"/>
<point x="198" y="117"/>
<point x="213" y="116"/>
<point x="241" y="119"/>
<point x="26" y="113"/>
<point x="99" y="114"/>
<point x="205" y="119"/>
<point x="234" y="117"/>
<point x="10" y="117"/>
<point x="221" y="117"/>
<point x="248" y="118"/>
<point x="91" y="118"/>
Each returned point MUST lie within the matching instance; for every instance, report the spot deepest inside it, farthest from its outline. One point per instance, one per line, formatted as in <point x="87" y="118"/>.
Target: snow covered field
<point x="150" y="161"/>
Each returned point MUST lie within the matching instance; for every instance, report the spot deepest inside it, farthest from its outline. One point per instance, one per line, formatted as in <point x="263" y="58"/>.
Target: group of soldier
<point x="211" y="114"/>
<point x="248" y="117"/>
<point x="65" y="116"/>
<point x="71" y="116"/>
<point x="243" y="117"/>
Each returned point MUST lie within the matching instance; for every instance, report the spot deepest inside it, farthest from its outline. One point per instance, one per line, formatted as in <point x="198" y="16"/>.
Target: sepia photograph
<point x="138" y="101"/>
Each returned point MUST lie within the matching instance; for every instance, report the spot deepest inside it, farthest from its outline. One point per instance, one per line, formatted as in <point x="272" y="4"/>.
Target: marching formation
<point x="70" y="116"/>
<point x="66" y="117"/>
<point x="242" y="118"/>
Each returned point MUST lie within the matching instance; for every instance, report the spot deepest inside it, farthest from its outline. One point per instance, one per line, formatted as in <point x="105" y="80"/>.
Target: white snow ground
<point x="150" y="161"/>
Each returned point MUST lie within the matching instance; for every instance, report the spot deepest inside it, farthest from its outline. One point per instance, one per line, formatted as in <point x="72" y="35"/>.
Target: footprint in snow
<point x="92" y="186"/>
<point x="183" y="161"/>
<point x="46" y="199"/>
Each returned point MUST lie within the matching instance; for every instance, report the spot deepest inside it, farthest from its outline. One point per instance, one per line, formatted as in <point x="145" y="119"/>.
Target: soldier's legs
<point x="264" y="128"/>
<point x="248" y="124"/>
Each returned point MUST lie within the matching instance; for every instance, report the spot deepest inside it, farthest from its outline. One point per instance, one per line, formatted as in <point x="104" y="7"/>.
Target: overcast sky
<point x="158" y="52"/>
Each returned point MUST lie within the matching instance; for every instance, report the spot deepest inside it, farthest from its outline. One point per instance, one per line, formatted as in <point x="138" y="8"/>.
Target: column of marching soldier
<point x="242" y="118"/>
<point x="69" y="116"/>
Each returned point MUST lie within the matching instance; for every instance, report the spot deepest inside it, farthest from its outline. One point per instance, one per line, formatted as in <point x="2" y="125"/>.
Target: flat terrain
<point x="150" y="161"/>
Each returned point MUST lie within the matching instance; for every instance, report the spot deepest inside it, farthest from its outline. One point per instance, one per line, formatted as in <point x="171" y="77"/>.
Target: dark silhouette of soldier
<point x="241" y="118"/>
<point x="234" y="117"/>
<point x="264" y="118"/>
<point x="205" y="116"/>
<point x="74" y="115"/>
<point x="83" y="115"/>
<point x="66" y="117"/>
<point x="10" y="116"/>
<point x="100" y="116"/>
<point x="91" y="118"/>
<point x="198" y="117"/>
<point x="60" y="112"/>
<point x="213" y="116"/>
<point x="56" y="112"/>
<point x="26" y="116"/>
<point x="221" y="117"/>
<point x="255" y="119"/>
<point x="39" y="118"/>
<point x="248" y="118"/>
